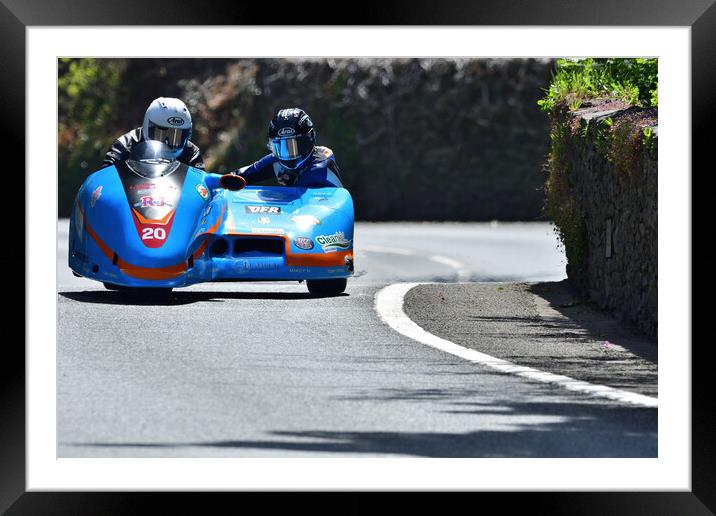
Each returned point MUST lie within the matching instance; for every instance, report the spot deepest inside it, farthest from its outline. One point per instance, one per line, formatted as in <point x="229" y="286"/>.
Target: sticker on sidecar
<point x="273" y="210"/>
<point x="202" y="191"/>
<point x="268" y="231"/>
<point x="335" y="242"/>
<point x="95" y="195"/>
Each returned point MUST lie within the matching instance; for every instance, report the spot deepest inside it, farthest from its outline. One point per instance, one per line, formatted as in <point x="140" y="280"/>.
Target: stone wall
<point x="612" y="167"/>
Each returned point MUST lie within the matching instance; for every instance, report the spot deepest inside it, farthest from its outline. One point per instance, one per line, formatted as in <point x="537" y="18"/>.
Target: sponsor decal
<point x="336" y="241"/>
<point x="286" y="131"/>
<point x="263" y="220"/>
<point x="273" y="210"/>
<point x="95" y="195"/>
<point x="151" y="202"/>
<point x="246" y="266"/>
<point x="264" y="265"/>
<point x="175" y="120"/>
<point x="305" y="220"/>
<point x="268" y="231"/>
<point x="299" y="269"/>
<point x="202" y="191"/>
<point x="303" y="243"/>
<point x="143" y="186"/>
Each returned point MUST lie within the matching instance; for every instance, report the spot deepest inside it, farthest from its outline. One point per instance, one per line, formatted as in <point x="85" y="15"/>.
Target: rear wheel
<point x="331" y="287"/>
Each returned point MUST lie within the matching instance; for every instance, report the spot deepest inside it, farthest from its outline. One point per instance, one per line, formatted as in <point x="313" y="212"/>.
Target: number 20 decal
<point x="154" y="233"/>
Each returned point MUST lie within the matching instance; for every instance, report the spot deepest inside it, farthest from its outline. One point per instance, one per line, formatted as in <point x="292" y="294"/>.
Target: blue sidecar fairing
<point x="172" y="230"/>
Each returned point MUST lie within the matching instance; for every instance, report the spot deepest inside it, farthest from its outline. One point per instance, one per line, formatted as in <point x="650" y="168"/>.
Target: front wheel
<point x="150" y="291"/>
<point x="332" y="287"/>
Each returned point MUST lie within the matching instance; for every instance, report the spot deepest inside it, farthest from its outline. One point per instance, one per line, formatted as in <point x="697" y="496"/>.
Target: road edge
<point x="388" y="303"/>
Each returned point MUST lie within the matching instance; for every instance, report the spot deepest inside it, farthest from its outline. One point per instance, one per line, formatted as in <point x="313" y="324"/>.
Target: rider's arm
<point x="121" y="147"/>
<point x="195" y="159"/>
<point x="325" y="175"/>
<point x="118" y="152"/>
<point x="258" y="171"/>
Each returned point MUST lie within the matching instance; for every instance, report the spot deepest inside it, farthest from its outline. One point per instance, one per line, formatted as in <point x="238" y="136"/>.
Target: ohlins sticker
<point x="273" y="210"/>
<point x="150" y="202"/>
<point x="334" y="242"/>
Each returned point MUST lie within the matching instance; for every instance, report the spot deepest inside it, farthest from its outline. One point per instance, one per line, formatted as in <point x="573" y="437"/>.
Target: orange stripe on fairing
<point x="103" y="247"/>
<point x="201" y="248"/>
<point x="213" y="228"/>
<point x="304" y="259"/>
<point x="151" y="273"/>
<point x="162" y="221"/>
<point x="318" y="260"/>
<point x="136" y="271"/>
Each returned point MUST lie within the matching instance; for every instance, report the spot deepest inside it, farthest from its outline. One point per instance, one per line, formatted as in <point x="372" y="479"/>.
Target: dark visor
<point x="172" y="136"/>
<point x="291" y="148"/>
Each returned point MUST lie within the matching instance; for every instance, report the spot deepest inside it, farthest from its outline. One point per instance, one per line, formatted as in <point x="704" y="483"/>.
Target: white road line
<point x="463" y="274"/>
<point x="389" y="305"/>
<point x="386" y="250"/>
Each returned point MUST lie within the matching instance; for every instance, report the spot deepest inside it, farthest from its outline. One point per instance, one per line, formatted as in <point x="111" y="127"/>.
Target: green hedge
<point x="420" y="139"/>
<point x="611" y="84"/>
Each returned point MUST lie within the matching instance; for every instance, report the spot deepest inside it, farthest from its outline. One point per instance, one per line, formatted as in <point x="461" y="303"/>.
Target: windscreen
<point x="151" y="159"/>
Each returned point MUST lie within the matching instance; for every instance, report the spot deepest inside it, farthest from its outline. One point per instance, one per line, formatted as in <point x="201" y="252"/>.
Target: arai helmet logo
<point x="286" y="131"/>
<point x="303" y="243"/>
<point x="175" y="120"/>
<point x="332" y="242"/>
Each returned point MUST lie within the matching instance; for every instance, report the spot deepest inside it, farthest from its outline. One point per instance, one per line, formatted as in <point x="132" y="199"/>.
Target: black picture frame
<point x="17" y="15"/>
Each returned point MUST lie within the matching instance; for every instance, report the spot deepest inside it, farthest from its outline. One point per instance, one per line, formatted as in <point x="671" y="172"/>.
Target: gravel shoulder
<point x="540" y="325"/>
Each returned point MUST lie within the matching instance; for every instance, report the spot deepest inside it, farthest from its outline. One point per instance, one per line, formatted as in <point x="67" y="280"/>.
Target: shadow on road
<point x="527" y="429"/>
<point x="179" y="297"/>
<point x="584" y="314"/>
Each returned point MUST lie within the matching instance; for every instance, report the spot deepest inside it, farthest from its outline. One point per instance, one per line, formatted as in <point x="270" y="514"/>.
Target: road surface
<point x="264" y="370"/>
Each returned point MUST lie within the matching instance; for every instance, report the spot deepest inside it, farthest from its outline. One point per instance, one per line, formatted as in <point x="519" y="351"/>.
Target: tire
<point x="332" y="287"/>
<point x="150" y="291"/>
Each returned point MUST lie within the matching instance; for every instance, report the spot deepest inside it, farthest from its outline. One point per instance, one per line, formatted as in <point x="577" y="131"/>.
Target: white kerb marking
<point x="389" y="305"/>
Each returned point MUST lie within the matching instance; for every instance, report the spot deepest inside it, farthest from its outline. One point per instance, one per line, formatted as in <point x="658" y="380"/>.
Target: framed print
<point x="415" y="250"/>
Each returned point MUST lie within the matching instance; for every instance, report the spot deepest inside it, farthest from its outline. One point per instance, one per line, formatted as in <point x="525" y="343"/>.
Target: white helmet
<point x="168" y="120"/>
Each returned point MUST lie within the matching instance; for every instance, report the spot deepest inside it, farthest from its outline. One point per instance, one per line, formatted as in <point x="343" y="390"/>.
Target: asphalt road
<point x="262" y="369"/>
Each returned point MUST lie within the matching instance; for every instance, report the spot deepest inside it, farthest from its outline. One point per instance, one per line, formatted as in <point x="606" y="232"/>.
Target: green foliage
<point x="88" y="99"/>
<point x="576" y="81"/>
<point x="562" y="207"/>
<point x="634" y="81"/>
<point x="397" y="126"/>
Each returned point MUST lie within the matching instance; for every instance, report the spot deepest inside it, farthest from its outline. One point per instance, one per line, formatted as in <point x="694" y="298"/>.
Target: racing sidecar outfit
<point x="122" y="148"/>
<point x="321" y="170"/>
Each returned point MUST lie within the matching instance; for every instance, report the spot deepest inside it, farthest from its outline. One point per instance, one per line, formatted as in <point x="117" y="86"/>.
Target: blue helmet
<point x="292" y="137"/>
